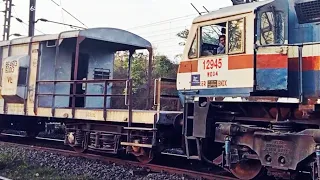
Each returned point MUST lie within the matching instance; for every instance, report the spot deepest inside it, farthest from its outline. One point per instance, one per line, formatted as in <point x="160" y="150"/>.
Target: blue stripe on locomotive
<point x="272" y="79"/>
<point x="310" y="83"/>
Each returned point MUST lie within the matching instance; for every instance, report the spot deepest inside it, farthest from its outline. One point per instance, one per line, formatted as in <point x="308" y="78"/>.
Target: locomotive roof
<point x="102" y="34"/>
<point x="231" y="10"/>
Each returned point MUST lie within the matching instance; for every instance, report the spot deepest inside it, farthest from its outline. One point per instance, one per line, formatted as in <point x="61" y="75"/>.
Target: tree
<point x="183" y="35"/>
<point x="161" y="67"/>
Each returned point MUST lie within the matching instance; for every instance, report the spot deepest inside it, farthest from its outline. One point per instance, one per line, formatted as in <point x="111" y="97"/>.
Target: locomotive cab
<point x="259" y="99"/>
<point x="240" y="68"/>
<point x="261" y="56"/>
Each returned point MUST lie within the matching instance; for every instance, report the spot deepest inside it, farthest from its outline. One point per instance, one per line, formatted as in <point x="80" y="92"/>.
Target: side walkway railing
<point x="127" y="94"/>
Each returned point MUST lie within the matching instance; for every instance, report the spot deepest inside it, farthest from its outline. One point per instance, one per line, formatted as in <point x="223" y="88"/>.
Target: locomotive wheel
<point x="246" y="169"/>
<point x="32" y="134"/>
<point x="78" y="149"/>
<point x="145" y="156"/>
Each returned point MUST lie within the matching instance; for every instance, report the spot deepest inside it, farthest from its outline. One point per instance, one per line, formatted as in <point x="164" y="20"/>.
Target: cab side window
<point x="236" y="36"/>
<point x="272" y="28"/>
<point x="212" y="39"/>
<point x="193" y="52"/>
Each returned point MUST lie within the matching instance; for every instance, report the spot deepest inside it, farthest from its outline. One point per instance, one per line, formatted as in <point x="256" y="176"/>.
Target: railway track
<point x="4" y="178"/>
<point x="66" y="151"/>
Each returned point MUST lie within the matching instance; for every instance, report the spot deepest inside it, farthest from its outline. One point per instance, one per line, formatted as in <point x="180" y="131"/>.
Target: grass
<point x="14" y="167"/>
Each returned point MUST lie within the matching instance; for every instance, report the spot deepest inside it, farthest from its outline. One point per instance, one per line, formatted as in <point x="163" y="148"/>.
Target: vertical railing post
<point x="53" y="108"/>
<point x="130" y="102"/>
<point x="36" y="103"/>
<point x="55" y="74"/>
<point x="105" y="100"/>
<point x="129" y="95"/>
<point x="159" y="95"/>
<point x="75" y="74"/>
<point x="27" y="85"/>
<point x="149" y="78"/>
<point x="300" y="62"/>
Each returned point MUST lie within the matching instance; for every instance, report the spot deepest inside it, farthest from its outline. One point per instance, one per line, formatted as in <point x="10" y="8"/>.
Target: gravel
<point x="44" y="165"/>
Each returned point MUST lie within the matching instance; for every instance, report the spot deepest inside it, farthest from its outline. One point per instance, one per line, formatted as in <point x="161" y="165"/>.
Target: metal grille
<point x="100" y="73"/>
<point x="308" y="12"/>
<point x="237" y="2"/>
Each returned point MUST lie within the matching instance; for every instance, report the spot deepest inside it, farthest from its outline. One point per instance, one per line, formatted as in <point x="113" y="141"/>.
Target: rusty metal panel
<point x="4" y="43"/>
<point x="69" y="34"/>
<point x="19" y="41"/>
<point x="32" y="77"/>
<point x="1" y="104"/>
<point x="89" y="114"/>
<point x="99" y="57"/>
<point x="138" y="116"/>
<point x="14" y="108"/>
<point x="62" y="71"/>
<point x="45" y="37"/>
<point x="63" y="113"/>
<point x="113" y="115"/>
<point x="116" y="115"/>
<point x="5" y="52"/>
<point x="13" y="82"/>
<point x="276" y="148"/>
<point x="19" y="49"/>
<point x="102" y="34"/>
<point x="44" y="112"/>
<point x="116" y="36"/>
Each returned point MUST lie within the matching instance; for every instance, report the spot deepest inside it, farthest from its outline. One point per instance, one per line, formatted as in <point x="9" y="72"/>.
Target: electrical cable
<point x="21" y="21"/>
<point x="162" y="22"/>
<point x="68" y="13"/>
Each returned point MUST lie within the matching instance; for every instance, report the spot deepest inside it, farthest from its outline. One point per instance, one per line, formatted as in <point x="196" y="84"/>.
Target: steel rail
<point x="151" y="167"/>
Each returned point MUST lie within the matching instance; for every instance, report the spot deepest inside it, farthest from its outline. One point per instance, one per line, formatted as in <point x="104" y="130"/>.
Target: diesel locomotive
<point x="248" y="84"/>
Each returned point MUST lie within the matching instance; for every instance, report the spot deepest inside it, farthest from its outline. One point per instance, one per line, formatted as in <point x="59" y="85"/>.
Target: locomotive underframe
<point x="256" y="134"/>
<point x="269" y="135"/>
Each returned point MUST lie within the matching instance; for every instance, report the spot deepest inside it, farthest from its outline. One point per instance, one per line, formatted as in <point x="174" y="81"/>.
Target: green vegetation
<point x="161" y="67"/>
<point x="14" y="167"/>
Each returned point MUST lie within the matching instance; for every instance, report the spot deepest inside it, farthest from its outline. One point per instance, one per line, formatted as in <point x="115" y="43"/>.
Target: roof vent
<point x="307" y="10"/>
<point x="237" y="2"/>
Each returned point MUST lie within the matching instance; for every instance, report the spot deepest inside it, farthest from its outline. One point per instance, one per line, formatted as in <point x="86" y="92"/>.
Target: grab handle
<point x="155" y="92"/>
<point x="126" y="94"/>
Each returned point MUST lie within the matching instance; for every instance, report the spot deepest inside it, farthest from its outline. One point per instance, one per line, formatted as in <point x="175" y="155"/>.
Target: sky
<point x="156" y="20"/>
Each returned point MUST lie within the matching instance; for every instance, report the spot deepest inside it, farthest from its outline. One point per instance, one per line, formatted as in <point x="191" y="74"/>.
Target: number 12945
<point x="212" y="63"/>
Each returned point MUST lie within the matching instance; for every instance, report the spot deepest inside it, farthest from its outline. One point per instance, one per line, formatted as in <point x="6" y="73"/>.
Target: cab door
<point x="224" y="67"/>
<point x="272" y="65"/>
<point x="213" y="59"/>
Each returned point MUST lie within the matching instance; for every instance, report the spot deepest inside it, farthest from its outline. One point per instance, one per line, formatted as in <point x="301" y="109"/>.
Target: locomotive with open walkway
<point x="248" y="84"/>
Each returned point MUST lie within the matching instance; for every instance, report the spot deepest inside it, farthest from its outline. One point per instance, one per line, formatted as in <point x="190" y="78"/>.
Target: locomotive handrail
<point x="80" y="95"/>
<point x="82" y="81"/>
<point x="295" y="44"/>
<point x="157" y="92"/>
<point x="168" y="79"/>
<point x="126" y="94"/>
